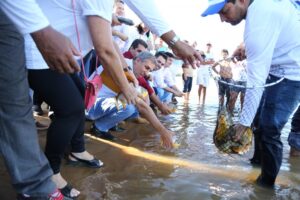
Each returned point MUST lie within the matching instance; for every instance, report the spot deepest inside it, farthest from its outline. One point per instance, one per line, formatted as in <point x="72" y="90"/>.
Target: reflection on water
<point x="137" y="167"/>
<point x="195" y="170"/>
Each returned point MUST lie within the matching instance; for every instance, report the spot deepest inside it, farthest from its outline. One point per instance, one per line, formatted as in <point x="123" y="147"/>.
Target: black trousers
<point x="64" y="94"/>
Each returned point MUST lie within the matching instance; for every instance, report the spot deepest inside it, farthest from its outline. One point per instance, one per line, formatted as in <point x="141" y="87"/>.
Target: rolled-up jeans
<point x="106" y="114"/>
<point x="164" y="95"/>
<point x="28" y="167"/>
<point x="294" y="136"/>
<point x="277" y="104"/>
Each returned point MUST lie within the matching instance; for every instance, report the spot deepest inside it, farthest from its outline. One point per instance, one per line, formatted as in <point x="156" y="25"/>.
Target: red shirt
<point x="143" y="83"/>
<point x="128" y="55"/>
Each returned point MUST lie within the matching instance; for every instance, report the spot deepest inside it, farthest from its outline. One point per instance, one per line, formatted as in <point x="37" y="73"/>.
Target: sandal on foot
<point x="66" y="191"/>
<point x="94" y="163"/>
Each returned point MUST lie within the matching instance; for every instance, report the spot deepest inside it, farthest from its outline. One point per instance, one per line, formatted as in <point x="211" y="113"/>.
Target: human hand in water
<point x="166" y="139"/>
<point x="239" y="131"/>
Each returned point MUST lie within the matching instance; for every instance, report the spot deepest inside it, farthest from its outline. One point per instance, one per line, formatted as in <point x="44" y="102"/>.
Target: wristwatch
<point x="174" y="40"/>
<point x="128" y="68"/>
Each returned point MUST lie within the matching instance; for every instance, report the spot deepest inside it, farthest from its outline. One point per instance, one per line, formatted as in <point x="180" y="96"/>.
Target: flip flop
<point x="66" y="191"/>
<point x="94" y="163"/>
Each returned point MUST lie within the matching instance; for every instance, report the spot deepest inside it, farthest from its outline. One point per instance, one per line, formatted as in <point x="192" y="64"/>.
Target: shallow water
<point x="136" y="167"/>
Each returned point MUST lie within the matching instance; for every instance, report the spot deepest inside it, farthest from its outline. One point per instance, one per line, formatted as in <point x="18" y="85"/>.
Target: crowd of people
<point x="43" y="44"/>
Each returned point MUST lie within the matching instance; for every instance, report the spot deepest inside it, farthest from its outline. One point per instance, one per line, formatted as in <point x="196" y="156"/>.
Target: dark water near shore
<point x="194" y="170"/>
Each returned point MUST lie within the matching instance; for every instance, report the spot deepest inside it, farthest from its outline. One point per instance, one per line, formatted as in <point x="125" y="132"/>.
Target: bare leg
<point x="199" y="92"/>
<point x="83" y="155"/>
<point x="221" y="100"/>
<point x="60" y="183"/>
<point x="242" y="97"/>
<point x="204" y="95"/>
<point x="188" y="96"/>
<point x="185" y="97"/>
<point x="232" y="100"/>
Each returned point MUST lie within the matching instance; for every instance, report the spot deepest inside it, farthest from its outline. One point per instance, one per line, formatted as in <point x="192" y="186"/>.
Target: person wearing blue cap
<point x="271" y="38"/>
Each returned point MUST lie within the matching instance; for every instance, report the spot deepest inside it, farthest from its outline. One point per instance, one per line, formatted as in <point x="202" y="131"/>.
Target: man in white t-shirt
<point x="272" y="44"/>
<point x="162" y="89"/>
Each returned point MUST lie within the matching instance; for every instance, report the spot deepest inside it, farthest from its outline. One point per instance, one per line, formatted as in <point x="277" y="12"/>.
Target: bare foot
<point x="60" y="183"/>
<point x="83" y="155"/>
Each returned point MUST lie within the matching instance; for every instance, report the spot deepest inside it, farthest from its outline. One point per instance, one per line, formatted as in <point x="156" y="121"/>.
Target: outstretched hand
<point x="187" y="53"/>
<point x="166" y="140"/>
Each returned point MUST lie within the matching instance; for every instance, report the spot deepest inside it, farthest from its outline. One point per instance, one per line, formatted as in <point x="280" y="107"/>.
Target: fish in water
<point x="225" y="133"/>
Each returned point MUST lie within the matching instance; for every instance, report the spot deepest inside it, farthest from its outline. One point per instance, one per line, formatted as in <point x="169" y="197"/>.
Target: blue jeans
<point x="294" y="136"/>
<point x="163" y="95"/>
<point x="187" y="84"/>
<point x="27" y="165"/>
<point x="276" y="106"/>
<point x="106" y="115"/>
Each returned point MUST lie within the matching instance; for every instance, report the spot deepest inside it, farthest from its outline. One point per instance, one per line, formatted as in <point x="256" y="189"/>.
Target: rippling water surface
<point x="194" y="170"/>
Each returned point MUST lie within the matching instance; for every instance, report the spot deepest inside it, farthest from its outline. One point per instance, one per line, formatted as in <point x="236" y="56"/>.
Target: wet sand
<point x="194" y="170"/>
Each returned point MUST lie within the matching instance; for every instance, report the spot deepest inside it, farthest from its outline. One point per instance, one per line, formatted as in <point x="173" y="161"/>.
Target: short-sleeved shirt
<point x="61" y="17"/>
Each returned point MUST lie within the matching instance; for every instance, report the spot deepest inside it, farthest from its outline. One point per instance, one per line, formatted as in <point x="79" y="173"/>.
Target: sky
<point x="185" y="18"/>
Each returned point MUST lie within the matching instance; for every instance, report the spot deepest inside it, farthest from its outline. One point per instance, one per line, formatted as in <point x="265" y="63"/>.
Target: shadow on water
<point x="137" y="167"/>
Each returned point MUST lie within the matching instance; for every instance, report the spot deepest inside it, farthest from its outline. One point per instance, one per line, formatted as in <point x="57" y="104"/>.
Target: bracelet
<point x="174" y="40"/>
<point x="127" y="69"/>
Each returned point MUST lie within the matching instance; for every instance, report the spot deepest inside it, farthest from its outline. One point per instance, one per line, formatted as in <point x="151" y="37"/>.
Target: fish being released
<point x="224" y="134"/>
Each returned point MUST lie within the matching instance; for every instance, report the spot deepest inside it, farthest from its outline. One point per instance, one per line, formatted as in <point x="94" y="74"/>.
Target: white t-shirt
<point x="132" y="34"/>
<point x="239" y="71"/>
<point x="169" y="78"/>
<point x="158" y="78"/>
<point x="149" y="14"/>
<point x="60" y="15"/>
<point x="123" y="28"/>
<point x="272" y="32"/>
<point x="26" y="14"/>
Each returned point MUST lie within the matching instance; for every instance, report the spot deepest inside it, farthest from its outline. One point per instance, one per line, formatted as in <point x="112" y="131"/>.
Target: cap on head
<point x="214" y="6"/>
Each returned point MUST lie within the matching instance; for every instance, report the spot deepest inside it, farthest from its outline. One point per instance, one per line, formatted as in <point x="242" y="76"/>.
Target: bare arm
<point x="175" y="92"/>
<point x="214" y="67"/>
<point x="102" y="39"/>
<point x="122" y="36"/>
<point x="162" y="107"/>
<point x="147" y="112"/>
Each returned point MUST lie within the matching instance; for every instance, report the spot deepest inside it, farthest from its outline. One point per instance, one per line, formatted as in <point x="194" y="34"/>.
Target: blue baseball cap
<point x="214" y="6"/>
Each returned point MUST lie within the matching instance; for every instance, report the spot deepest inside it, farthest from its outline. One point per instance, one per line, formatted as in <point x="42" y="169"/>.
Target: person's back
<point x="285" y="39"/>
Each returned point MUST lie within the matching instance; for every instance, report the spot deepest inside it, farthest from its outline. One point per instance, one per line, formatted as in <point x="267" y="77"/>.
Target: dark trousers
<point x="294" y="135"/>
<point x="296" y="121"/>
<point x="27" y="165"/>
<point x="278" y="103"/>
<point x="37" y="100"/>
<point x="64" y="94"/>
<point x="187" y="84"/>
